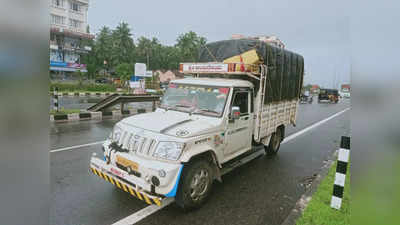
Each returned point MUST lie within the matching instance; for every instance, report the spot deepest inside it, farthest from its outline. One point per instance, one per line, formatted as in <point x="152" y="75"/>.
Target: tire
<point x="274" y="143"/>
<point x="191" y="196"/>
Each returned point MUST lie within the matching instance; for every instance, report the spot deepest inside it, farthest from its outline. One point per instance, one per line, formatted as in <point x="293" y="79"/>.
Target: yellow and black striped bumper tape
<point x="127" y="188"/>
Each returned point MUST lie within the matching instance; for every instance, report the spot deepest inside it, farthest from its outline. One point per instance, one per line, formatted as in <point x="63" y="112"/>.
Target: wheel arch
<point x="210" y="156"/>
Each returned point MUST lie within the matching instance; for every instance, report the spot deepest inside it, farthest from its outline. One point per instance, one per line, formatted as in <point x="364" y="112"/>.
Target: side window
<point x="242" y="100"/>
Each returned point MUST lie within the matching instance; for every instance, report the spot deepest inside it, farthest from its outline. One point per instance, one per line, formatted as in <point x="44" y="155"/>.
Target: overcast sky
<point x="315" y="29"/>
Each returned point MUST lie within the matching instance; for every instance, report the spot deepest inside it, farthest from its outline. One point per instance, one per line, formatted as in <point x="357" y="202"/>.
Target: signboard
<point x="137" y="84"/>
<point x="60" y="64"/>
<point x="76" y="65"/>
<point x="136" y="78"/>
<point x="204" y="67"/>
<point x="68" y="65"/>
<point x="149" y="73"/>
<point x="140" y="69"/>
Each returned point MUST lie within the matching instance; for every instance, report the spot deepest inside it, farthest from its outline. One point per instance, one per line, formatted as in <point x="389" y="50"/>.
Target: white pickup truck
<point x="204" y="127"/>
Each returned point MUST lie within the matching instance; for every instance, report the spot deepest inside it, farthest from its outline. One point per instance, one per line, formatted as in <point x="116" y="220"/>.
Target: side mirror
<point x="235" y="112"/>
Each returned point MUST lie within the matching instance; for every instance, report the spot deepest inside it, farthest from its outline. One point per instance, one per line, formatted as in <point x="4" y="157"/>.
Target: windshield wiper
<point x="183" y="106"/>
<point x="206" y="110"/>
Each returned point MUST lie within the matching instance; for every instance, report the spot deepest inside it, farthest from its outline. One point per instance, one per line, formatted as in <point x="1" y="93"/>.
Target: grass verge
<point x="64" y="111"/>
<point x="319" y="212"/>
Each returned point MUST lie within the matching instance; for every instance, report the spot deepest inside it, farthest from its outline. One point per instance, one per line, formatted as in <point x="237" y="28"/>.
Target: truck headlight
<point x="169" y="150"/>
<point x="116" y="133"/>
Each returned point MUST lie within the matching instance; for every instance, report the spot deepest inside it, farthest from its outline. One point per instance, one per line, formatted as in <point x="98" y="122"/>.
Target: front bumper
<point x="139" y="185"/>
<point x="97" y="169"/>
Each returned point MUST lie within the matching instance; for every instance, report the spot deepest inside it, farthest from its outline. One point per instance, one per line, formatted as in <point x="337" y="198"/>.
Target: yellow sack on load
<point x="249" y="57"/>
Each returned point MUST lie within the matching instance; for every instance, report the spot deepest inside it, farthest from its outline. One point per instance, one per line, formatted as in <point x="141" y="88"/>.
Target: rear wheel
<point x="195" y="185"/>
<point x="274" y="143"/>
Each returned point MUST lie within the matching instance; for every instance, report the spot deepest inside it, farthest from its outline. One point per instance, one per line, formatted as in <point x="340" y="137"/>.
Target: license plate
<point x="116" y="172"/>
<point x="127" y="163"/>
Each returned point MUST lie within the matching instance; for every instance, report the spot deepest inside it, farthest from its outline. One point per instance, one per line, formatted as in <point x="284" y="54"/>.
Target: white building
<point x="68" y="19"/>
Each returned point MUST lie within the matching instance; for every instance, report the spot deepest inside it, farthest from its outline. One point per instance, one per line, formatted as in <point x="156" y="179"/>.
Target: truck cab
<point x="202" y="126"/>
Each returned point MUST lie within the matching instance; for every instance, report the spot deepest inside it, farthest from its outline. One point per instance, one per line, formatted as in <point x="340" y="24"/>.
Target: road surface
<point x="262" y="192"/>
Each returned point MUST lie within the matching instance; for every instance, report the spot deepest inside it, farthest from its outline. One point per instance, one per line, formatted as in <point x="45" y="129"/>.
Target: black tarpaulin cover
<point x="285" y="68"/>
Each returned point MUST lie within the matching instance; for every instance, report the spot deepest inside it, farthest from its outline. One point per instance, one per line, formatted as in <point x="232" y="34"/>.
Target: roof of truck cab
<point x="214" y="82"/>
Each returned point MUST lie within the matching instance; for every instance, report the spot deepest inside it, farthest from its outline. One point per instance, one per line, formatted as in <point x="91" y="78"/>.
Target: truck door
<point x="239" y="131"/>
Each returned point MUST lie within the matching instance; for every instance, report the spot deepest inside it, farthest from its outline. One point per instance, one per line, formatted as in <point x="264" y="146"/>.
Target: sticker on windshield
<point x="224" y="90"/>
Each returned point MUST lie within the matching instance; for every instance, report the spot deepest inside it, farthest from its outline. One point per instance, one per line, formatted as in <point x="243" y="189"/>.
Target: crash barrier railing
<point x="123" y="99"/>
<point x="340" y="176"/>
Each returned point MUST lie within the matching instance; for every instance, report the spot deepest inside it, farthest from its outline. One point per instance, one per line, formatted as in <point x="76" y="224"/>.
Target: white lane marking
<point x="293" y="136"/>
<point x="147" y="211"/>
<point x="143" y="213"/>
<point x="76" y="146"/>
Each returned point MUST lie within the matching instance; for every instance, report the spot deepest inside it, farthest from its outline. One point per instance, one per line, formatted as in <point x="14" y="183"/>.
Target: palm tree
<point x="123" y="45"/>
<point x="102" y="47"/>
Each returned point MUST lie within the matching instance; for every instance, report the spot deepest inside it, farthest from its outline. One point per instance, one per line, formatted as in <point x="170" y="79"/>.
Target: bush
<point x="68" y="87"/>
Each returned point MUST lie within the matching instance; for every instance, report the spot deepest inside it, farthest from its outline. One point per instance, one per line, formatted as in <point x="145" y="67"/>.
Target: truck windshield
<point x="206" y="100"/>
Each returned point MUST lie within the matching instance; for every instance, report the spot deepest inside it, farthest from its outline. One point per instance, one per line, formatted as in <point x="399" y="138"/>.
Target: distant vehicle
<point x="306" y="98"/>
<point x="346" y="94"/>
<point x="102" y="81"/>
<point x="330" y="95"/>
<point x="164" y="85"/>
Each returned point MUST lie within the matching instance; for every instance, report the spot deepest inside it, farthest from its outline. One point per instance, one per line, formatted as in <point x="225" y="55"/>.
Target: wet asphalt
<point x="261" y="192"/>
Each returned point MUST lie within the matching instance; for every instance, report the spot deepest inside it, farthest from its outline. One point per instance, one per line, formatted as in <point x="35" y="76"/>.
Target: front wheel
<point x="274" y="143"/>
<point x="195" y="185"/>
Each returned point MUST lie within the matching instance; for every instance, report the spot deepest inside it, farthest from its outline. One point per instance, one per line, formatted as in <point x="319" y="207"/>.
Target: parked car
<point x="102" y="81"/>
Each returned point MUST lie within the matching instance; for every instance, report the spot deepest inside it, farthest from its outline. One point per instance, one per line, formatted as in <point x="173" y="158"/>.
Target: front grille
<point x="136" y="144"/>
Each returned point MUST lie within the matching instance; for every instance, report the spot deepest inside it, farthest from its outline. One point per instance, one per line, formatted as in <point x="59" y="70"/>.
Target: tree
<point x="143" y="50"/>
<point x="122" y="45"/>
<point x="169" y="57"/>
<point x="89" y="58"/>
<point x="188" y="45"/>
<point x="79" y="74"/>
<point x="307" y="87"/>
<point x="148" y="51"/>
<point x="102" y="48"/>
<point x="124" y="71"/>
